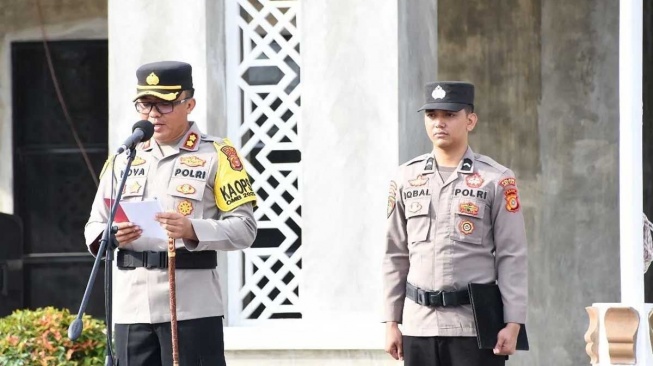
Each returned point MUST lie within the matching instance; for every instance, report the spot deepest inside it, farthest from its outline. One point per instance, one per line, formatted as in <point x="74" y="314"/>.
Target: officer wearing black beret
<point x="192" y="176"/>
<point x="454" y="218"/>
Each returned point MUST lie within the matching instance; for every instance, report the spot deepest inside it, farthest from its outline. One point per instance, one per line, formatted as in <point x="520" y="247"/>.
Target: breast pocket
<point x="469" y="226"/>
<point x="418" y="219"/>
<point x="187" y="196"/>
<point x="134" y="189"/>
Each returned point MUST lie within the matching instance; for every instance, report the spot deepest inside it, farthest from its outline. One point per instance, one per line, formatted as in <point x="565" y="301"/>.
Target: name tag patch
<point x="470" y="193"/>
<point x="416" y="193"/>
<point x="190" y="173"/>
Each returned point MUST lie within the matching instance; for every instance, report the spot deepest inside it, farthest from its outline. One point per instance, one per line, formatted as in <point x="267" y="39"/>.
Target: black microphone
<point x="141" y="131"/>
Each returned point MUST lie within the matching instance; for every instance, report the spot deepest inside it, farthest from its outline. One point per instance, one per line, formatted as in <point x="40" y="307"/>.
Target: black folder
<point x="488" y="316"/>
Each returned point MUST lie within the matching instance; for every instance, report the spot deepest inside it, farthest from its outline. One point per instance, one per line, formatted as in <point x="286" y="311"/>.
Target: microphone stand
<point x="106" y="249"/>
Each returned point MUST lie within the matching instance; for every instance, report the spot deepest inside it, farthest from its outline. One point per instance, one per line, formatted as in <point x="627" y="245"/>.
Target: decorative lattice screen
<point x="264" y="99"/>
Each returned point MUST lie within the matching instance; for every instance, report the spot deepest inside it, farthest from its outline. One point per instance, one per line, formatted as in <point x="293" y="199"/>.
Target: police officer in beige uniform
<point x="207" y="206"/>
<point x="453" y="218"/>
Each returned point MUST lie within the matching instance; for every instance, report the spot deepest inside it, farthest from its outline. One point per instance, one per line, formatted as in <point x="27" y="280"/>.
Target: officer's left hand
<point x="507" y="340"/>
<point x="176" y="225"/>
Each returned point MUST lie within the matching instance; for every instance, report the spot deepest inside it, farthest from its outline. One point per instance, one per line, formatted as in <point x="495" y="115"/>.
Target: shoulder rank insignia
<point x="467" y="165"/>
<point x="419" y="181"/>
<point x="186" y="189"/>
<point x="429" y="164"/>
<point x="474" y="181"/>
<point x="192" y="161"/>
<point x="191" y="141"/>
<point x="232" y="157"/>
<point x="185" y="207"/>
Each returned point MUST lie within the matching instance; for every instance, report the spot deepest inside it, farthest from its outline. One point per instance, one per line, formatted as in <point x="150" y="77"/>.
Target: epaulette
<point x="491" y="162"/>
<point x="417" y="159"/>
<point x="205" y="137"/>
<point x="108" y="164"/>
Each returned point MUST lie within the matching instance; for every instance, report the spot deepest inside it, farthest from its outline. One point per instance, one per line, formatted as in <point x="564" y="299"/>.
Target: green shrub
<point x="40" y="337"/>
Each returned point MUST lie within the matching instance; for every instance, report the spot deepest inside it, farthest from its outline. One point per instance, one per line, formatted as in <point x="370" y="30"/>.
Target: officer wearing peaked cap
<point x="207" y="206"/>
<point x="454" y="218"/>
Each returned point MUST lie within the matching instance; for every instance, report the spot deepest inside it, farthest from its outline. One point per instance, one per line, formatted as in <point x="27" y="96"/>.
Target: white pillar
<point x="364" y="64"/>
<point x="630" y="151"/>
<point x="630" y="184"/>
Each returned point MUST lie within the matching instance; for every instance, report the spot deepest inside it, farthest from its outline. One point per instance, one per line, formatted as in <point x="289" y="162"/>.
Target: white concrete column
<point x="147" y="31"/>
<point x="630" y="187"/>
<point x="630" y="150"/>
<point x="364" y="64"/>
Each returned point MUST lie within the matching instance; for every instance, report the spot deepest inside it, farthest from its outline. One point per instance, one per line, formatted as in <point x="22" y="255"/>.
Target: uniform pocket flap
<point x="134" y="187"/>
<point x="417" y="207"/>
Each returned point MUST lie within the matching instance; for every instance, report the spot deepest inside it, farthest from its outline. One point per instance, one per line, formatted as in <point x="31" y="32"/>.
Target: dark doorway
<point x="53" y="188"/>
<point x="647" y="131"/>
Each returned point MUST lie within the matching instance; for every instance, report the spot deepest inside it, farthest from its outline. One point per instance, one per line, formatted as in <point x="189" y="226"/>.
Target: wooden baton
<point x="173" y="300"/>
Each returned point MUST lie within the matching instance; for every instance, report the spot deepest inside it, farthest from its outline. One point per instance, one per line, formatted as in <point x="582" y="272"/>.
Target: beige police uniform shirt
<point x="201" y="177"/>
<point x="443" y="235"/>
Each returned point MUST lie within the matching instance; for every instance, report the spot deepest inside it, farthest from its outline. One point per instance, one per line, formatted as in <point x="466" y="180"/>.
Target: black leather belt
<point x="128" y="259"/>
<point x="437" y="298"/>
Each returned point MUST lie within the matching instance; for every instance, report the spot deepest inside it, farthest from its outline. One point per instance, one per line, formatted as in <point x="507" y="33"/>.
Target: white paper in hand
<point x="142" y="213"/>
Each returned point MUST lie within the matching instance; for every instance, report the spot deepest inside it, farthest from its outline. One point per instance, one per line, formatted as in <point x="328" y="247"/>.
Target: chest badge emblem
<point x="468" y="208"/>
<point x="419" y="181"/>
<point x="185" y="207"/>
<point x="133" y="188"/>
<point x="186" y="189"/>
<point x="474" y="181"/>
<point x="466" y="227"/>
<point x="138" y="161"/>
<point x="415" y="206"/>
<point x="192" y="161"/>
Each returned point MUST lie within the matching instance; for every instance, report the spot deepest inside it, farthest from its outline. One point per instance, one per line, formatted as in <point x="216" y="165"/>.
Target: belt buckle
<point x="151" y="259"/>
<point x="436" y="298"/>
<point x="450" y="300"/>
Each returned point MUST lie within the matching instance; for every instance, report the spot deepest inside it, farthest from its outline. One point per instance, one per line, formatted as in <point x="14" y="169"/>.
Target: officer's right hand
<point x="127" y="233"/>
<point x="393" y="341"/>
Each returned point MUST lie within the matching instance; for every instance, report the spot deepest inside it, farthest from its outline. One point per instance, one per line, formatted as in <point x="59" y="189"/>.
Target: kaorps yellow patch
<point x="232" y="187"/>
